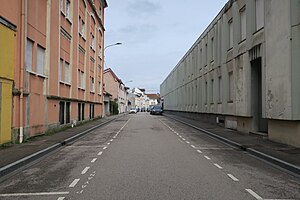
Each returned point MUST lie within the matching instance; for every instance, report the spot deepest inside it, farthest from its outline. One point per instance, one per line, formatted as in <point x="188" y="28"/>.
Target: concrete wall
<point x="249" y="83"/>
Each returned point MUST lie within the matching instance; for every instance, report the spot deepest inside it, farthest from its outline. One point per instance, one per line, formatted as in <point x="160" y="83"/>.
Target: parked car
<point x="149" y="108"/>
<point x="132" y="111"/>
<point x="156" y="110"/>
<point x="143" y="109"/>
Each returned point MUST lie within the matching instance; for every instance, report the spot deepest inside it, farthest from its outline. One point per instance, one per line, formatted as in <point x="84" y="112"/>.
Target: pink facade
<point x="59" y="63"/>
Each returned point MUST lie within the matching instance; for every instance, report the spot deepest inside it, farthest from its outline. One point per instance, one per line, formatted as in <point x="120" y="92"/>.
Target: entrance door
<point x="260" y="123"/>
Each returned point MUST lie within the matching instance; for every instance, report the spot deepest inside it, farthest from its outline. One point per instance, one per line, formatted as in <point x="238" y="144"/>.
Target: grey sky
<point x="155" y="35"/>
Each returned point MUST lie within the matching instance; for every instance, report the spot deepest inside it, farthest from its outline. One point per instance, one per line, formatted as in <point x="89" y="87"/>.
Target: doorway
<point x="260" y="123"/>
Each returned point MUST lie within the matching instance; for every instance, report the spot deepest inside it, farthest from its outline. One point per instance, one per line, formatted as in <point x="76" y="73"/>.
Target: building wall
<point x="247" y="76"/>
<point x="111" y="85"/>
<point x="7" y="52"/>
<point x="59" y="63"/>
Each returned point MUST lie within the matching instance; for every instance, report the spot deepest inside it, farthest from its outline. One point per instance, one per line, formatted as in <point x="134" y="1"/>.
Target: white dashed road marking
<point x="100" y="153"/>
<point x="74" y="182"/>
<point x="183" y="139"/>
<point x="199" y="151"/>
<point x="85" y="170"/>
<point x="256" y="196"/>
<point x="218" y="166"/>
<point x="94" y="160"/>
<point x="61" y="198"/>
<point x="104" y="148"/>
<point x="232" y="177"/>
<point x="208" y="158"/>
<point x="193" y="146"/>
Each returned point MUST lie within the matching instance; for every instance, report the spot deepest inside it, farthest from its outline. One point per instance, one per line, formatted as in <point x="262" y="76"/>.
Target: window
<point x="220" y="89"/>
<point x="28" y="58"/>
<point x="100" y="87"/>
<point x="40" y="60"/>
<point x="67" y="72"/>
<point x="205" y="62"/>
<point x="230" y="86"/>
<point x="259" y="7"/>
<point x="68" y="9"/>
<point x="68" y="112"/>
<point x="230" y="25"/>
<point x="61" y="64"/>
<point x="61" y="112"/>
<point x="92" y="84"/>
<point x="93" y="42"/>
<point x="212" y="91"/>
<point x="100" y="52"/>
<point x="243" y="23"/>
<point x="80" y="111"/>
<point x="82" y="28"/>
<point x="81" y="81"/>
<point x="212" y="49"/>
<point x="62" y="5"/>
<point x="100" y="12"/>
<point x="206" y="95"/>
<point x="92" y="111"/>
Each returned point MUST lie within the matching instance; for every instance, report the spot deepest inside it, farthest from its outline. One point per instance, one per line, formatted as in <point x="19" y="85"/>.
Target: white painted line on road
<point x="193" y="146"/>
<point x="94" y="160"/>
<point x="61" y="198"/>
<point x="232" y="177"/>
<point x="208" y="158"/>
<point x="199" y="151"/>
<point x="180" y="136"/>
<point x="256" y="196"/>
<point x="108" y="143"/>
<point x="74" y="182"/>
<point x="183" y="139"/>
<point x="85" y="170"/>
<point x="180" y="140"/>
<point x="187" y="142"/>
<point x="104" y="148"/>
<point x="100" y="153"/>
<point x="218" y="166"/>
<point x="111" y="140"/>
<point x="33" y="194"/>
<point x="115" y="137"/>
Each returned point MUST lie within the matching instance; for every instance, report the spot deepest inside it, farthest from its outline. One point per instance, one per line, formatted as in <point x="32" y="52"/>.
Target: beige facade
<point x="117" y="89"/>
<point x="59" y="63"/>
<point x="243" y="71"/>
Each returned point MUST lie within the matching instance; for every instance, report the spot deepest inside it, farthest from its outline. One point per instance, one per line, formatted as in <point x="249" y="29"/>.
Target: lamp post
<point x="115" y="44"/>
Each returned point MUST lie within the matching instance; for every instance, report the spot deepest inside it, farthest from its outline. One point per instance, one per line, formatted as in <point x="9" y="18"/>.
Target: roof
<point x="153" y="96"/>
<point x="109" y="70"/>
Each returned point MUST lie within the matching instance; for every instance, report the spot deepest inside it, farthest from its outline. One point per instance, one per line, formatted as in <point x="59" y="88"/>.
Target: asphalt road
<point x="149" y="157"/>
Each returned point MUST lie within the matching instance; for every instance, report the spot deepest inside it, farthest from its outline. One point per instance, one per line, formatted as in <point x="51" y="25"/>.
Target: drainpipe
<point x="22" y="63"/>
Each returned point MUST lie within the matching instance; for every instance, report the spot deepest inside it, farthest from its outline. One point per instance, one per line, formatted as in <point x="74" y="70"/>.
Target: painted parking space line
<point x="33" y="194"/>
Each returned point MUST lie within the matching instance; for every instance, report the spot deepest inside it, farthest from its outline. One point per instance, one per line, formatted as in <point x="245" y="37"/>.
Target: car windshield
<point x="157" y="107"/>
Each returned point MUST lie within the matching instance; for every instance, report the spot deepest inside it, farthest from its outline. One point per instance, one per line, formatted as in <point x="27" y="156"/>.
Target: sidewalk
<point x="18" y="155"/>
<point x="281" y="155"/>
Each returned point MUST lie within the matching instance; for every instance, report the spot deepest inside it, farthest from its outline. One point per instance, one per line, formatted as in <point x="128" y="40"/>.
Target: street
<point x="143" y="156"/>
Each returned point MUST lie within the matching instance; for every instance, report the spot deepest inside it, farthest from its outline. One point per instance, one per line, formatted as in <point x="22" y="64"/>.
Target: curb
<point x="28" y="159"/>
<point x="277" y="162"/>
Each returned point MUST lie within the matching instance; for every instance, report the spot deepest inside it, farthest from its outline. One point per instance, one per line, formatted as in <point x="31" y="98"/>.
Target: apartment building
<point x="58" y="63"/>
<point x="243" y="71"/>
<point x="117" y="89"/>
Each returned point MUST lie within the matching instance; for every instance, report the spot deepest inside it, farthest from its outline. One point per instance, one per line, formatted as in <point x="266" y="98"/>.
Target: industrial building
<point x="243" y="71"/>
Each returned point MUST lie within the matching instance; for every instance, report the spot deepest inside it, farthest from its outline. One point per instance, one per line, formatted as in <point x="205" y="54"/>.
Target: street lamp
<point x="115" y="44"/>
